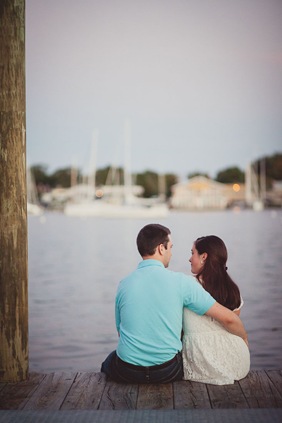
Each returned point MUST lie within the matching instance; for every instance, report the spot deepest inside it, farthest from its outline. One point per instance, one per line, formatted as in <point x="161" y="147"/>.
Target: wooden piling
<point x="13" y="214"/>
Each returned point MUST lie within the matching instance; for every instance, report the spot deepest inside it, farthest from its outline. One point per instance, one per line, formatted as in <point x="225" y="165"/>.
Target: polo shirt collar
<point x="150" y="262"/>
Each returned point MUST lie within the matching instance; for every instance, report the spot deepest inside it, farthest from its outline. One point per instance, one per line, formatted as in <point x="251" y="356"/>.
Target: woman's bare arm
<point x="229" y="320"/>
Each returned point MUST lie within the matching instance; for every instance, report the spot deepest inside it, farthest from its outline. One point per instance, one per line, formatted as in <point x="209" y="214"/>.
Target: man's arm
<point x="228" y="319"/>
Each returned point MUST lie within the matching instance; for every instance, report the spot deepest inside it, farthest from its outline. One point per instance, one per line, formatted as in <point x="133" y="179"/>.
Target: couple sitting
<point x="150" y="317"/>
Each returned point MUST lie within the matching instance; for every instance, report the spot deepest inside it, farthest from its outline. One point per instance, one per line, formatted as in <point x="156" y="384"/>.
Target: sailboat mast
<point x="127" y="159"/>
<point x="262" y="180"/>
<point x="74" y="175"/>
<point x="161" y="186"/>
<point x="92" y="165"/>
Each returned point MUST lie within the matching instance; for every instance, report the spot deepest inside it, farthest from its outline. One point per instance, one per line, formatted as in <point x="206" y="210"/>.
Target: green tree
<point x="170" y="179"/>
<point x="149" y="181"/>
<point x="110" y="175"/>
<point x="230" y="175"/>
<point x="193" y="174"/>
<point x="273" y="167"/>
<point x="61" y="178"/>
<point x="39" y="173"/>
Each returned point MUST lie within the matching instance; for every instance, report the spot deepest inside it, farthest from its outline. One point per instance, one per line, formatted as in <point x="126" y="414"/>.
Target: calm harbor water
<point x="75" y="266"/>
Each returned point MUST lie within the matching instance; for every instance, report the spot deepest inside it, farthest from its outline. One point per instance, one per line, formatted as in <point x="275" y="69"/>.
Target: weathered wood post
<point x="13" y="215"/>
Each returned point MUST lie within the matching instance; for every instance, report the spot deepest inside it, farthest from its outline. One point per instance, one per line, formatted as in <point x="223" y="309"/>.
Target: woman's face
<point x="196" y="260"/>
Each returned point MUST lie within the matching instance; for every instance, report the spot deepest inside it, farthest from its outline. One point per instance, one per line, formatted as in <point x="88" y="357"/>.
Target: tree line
<point x="150" y="180"/>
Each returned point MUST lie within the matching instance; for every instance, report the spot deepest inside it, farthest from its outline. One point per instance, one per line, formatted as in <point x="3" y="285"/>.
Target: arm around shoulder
<point x="228" y="319"/>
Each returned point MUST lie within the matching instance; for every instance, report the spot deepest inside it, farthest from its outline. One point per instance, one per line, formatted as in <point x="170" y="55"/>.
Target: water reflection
<point x="75" y="266"/>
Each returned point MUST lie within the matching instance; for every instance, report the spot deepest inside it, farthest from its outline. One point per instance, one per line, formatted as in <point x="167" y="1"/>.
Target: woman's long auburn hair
<point x="214" y="277"/>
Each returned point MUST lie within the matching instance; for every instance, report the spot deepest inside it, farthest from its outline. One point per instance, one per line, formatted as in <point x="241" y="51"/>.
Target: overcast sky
<point x="200" y="82"/>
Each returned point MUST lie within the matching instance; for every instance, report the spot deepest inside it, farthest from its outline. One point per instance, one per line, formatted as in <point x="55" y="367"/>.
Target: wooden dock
<point x="91" y="391"/>
<point x="84" y="391"/>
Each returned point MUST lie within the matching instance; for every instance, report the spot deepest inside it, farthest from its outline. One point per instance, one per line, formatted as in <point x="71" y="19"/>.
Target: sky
<point x="198" y="81"/>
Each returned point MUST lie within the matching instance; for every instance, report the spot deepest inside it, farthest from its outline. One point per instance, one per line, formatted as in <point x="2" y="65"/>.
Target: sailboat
<point x="33" y="206"/>
<point x="125" y="205"/>
<point x="256" y="186"/>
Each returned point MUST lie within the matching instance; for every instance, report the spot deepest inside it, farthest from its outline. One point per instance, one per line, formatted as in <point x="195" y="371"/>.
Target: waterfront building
<point x="201" y="193"/>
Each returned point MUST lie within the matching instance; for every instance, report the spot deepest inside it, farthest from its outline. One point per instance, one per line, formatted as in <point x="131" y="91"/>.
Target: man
<point x="149" y="307"/>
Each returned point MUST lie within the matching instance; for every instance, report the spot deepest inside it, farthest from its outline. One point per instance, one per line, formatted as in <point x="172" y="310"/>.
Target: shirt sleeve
<point x="117" y="314"/>
<point x="195" y="297"/>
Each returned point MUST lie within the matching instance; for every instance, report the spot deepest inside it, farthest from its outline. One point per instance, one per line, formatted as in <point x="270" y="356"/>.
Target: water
<point x="75" y="266"/>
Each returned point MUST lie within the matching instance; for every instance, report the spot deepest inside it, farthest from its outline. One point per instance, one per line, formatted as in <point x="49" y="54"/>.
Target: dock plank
<point x="119" y="396"/>
<point x="276" y="377"/>
<point x="260" y="391"/>
<point x="227" y="396"/>
<point x="155" y="397"/>
<point x="2" y="385"/>
<point x="14" y="396"/>
<point x="189" y="394"/>
<point x="51" y="392"/>
<point x="86" y="392"/>
<point x="91" y="391"/>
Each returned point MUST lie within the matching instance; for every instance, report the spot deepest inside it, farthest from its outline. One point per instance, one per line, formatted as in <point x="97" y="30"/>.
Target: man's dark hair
<point x="150" y="237"/>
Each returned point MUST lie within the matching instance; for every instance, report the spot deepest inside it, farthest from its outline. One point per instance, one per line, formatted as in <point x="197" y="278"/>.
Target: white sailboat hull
<point x="34" y="209"/>
<point x="128" y="205"/>
<point x="103" y="209"/>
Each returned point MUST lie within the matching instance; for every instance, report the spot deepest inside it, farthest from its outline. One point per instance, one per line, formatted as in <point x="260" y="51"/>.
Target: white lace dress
<point x="210" y="353"/>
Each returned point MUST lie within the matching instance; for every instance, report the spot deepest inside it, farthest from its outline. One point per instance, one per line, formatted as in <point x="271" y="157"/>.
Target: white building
<point x="201" y="193"/>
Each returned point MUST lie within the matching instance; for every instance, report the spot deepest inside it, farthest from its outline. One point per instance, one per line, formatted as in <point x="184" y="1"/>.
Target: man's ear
<point x="160" y="248"/>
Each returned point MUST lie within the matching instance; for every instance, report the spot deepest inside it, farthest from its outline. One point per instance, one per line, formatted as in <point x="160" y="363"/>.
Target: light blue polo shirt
<point x="149" y="307"/>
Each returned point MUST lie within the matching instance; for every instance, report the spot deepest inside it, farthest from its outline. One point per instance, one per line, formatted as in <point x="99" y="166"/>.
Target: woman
<point x="210" y="353"/>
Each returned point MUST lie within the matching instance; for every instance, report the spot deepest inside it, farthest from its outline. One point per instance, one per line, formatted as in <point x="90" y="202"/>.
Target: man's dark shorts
<point x="123" y="372"/>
